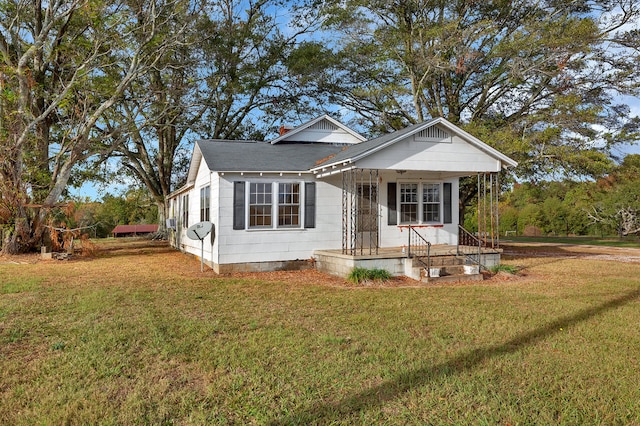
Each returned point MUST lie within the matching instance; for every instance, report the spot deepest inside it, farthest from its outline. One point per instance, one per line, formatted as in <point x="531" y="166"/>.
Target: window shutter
<point x="392" y="211"/>
<point x="238" y="205"/>
<point x="310" y="205"/>
<point x="448" y="217"/>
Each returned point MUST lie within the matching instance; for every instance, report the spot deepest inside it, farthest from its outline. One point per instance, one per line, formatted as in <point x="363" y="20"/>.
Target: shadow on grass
<point x="395" y="388"/>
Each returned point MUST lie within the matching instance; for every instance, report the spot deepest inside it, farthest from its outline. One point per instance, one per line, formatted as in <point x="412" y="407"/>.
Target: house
<point x="134" y="230"/>
<point x="321" y="193"/>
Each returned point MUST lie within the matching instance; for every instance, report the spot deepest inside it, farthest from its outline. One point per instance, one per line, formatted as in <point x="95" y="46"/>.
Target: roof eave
<point x="314" y="121"/>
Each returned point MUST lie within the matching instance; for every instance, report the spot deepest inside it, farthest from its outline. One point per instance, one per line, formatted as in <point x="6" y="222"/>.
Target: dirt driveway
<point x="576" y="251"/>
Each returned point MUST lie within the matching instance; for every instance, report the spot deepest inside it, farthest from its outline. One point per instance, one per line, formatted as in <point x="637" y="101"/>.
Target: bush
<point x="510" y="269"/>
<point x="359" y="275"/>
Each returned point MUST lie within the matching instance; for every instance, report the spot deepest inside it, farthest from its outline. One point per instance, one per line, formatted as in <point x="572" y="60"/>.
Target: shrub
<point x="510" y="269"/>
<point x="359" y="275"/>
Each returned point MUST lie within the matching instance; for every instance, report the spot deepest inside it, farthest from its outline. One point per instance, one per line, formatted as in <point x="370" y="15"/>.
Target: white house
<point x="322" y="188"/>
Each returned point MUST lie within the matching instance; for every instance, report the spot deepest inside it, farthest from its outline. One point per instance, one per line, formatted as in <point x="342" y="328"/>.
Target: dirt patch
<point x="576" y="251"/>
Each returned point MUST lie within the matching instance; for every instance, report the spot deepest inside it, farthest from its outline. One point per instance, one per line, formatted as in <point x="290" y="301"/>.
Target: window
<point x="185" y="210"/>
<point x="260" y="205"/>
<point x="289" y="204"/>
<point x="274" y="205"/>
<point x="431" y="202"/>
<point x="408" y="203"/>
<point x="430" y="209"/>
<point x="205" y="203"/>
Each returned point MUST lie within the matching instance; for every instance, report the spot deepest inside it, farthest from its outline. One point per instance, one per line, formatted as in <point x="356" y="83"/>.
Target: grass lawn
<point x="139" y="336"/>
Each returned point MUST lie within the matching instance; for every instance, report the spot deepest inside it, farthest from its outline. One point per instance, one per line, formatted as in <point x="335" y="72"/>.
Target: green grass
<point x="145" y="338"/>
<point x="511" y="269"/>
<point x="360" y="275"/>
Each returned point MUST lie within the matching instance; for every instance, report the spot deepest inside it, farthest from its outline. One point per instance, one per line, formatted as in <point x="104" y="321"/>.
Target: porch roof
<point x="367" y="148"/>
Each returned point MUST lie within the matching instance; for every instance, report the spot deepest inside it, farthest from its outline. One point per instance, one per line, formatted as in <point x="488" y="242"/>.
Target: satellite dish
<point x="199" y="230"/>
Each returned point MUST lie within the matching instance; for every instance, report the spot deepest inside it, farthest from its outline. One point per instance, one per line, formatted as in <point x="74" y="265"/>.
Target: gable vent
<point x="324" y="125"/>
<point x="433" y="134"/>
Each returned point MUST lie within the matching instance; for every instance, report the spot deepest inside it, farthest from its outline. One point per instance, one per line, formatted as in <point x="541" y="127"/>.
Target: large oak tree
<point x="63" y="64"/>
<point x="537" y="79"/>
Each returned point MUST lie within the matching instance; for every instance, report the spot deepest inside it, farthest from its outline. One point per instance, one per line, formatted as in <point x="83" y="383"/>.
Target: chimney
<point x="284" y="130"/>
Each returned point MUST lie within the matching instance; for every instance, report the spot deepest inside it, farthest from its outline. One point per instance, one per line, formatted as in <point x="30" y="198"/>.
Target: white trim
<point x="421" y="203"/>
<point x="275" y="215"/>
<point x="309" y="124"/>
<point x="450" y="126"/>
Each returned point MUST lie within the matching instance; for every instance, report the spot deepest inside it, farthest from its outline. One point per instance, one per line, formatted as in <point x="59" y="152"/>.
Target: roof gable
<point x="437" y="130"/>
<point x="323" y="129"/>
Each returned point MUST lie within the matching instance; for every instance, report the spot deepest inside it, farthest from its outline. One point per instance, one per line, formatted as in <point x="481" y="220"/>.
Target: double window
<point x="269" y="205"/>
<point x="420" y="203"/>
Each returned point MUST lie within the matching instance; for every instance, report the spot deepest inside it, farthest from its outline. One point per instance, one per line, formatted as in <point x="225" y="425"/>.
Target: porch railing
<point x="419" y="248"/>
<point x="467" y="239"/>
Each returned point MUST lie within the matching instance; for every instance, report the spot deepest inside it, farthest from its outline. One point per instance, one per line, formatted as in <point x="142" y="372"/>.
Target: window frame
<point x="277" y="220"/>
<point x="421" y="213"/>
<point x="401" y="204"/>
<point x="293" y="205"/>
<point x="260" y="206"/>
<point x="425" y="202"/>
<point x="185" y="211"/>
<point x="205" y="203"/>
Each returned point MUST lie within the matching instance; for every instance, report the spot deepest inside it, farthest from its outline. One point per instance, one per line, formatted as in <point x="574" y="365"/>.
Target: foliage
<point x="617" y="199"/>
<point x="226" y="80"/>
<point x="65" y="64"/>
<point x="607" y="206"/>
<point x="510" y="269"/>
<point x="534" y="79"/>
<point x="360" y="275"/>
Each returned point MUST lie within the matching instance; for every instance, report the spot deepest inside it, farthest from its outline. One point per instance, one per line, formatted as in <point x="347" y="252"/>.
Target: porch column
<point x="360" y="206"/>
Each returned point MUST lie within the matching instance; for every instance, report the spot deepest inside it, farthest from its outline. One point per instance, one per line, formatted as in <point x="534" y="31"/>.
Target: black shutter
<point x="310" y="205"/>
<point x="238" y="205"/>
<point x="448" y="217"/>
<point x="392" y="211"/>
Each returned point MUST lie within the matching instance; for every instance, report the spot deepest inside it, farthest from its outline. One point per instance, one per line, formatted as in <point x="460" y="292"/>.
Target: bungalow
<point x="322" y="194"/>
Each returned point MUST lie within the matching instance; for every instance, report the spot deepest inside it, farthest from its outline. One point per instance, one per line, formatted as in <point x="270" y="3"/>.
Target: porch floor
<point x="397" y="252"/>
<point x="397" y="262"/>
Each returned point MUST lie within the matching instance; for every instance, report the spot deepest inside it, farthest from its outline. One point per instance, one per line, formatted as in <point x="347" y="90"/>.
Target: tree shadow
<point x="395" y="388"/>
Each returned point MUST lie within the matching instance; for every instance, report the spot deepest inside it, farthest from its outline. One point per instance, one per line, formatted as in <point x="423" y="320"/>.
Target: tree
<point x="64" y="65"/>
<point x="535" y="79"/>
<point x="227" y="79"/>
<point x="617" y="203"/>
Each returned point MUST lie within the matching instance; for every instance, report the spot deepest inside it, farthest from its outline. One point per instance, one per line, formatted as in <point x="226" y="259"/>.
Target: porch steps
<point x="449" y="268"/>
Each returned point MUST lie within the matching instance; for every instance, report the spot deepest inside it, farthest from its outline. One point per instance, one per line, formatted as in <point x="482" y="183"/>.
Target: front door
<point x="367" y="217"/>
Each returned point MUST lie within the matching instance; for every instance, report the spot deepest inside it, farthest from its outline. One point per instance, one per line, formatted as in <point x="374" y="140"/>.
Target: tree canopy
<point x="536" y="79"/>
<point x="137" y="80"/>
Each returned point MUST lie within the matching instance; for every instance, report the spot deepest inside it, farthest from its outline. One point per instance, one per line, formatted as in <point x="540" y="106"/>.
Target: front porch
<point x="449" y="259"/>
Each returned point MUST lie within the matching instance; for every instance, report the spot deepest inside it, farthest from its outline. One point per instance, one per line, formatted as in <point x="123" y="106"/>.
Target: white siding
<point x="248" y="245"/>
<point x="412" y="154"/>
<point x="397" y="235"/>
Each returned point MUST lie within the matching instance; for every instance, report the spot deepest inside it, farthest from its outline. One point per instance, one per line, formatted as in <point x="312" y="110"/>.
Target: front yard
<point x="137" y="335"/>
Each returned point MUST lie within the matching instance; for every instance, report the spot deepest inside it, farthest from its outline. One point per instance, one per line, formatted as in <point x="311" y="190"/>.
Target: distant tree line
<point x="608" y="206"/>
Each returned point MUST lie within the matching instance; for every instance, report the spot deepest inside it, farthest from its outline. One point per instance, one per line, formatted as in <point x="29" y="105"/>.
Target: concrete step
<point x="440" y="261"/>
<point x="453" y="278"/>
<point x="446" y="274"/>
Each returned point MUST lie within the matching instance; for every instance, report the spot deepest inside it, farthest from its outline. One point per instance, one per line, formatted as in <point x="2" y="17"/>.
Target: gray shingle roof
<point x="251" y="156"/>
